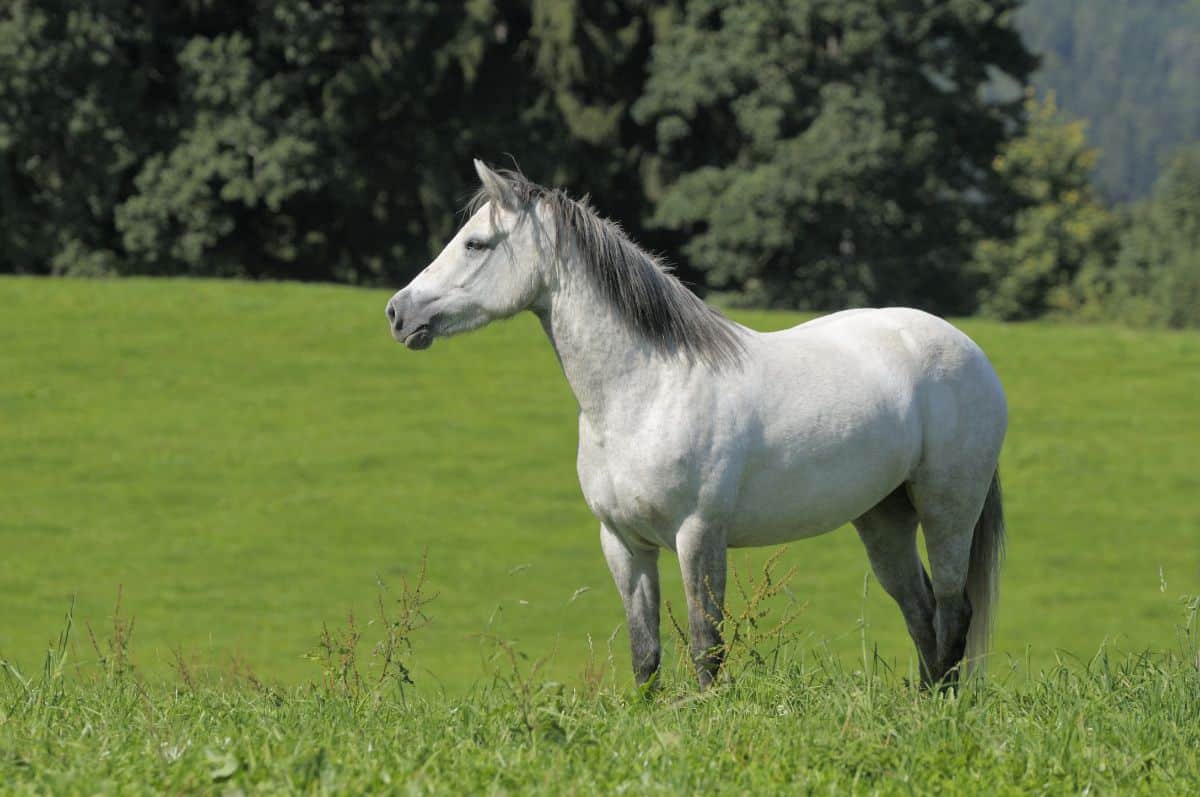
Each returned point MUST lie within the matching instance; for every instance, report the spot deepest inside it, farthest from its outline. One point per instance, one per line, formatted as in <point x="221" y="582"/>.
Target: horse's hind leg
<point x="948" y="504"/>
<point x="889" y="533"/>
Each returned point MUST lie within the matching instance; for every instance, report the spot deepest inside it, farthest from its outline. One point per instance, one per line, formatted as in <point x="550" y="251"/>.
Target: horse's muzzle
<point x="411" y="331"/>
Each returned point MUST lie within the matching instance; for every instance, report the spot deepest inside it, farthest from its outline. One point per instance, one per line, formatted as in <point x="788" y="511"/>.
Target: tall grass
<point x="799" y="719"/>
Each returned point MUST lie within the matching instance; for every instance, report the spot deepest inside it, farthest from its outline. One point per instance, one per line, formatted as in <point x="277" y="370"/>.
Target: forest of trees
<point x="812" y="154"/>
<point x="1132" y="69"/>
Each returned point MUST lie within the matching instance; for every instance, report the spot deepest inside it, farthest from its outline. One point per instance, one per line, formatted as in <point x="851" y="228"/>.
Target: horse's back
<point x="930" y="346"/>
<point x="930" y="365"/>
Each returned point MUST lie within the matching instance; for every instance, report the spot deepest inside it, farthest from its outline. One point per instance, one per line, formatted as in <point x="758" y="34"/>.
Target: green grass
<point x="799" y="723"/>
<point x="252" y="463"/>
<point x="248" y="459"/>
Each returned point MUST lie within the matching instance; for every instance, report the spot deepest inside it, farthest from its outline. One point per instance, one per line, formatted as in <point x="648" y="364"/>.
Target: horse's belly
<point x="786" y="521"/>
<point x="777" y="504"/>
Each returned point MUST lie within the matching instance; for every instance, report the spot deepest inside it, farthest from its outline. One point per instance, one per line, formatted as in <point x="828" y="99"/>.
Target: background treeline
<point x="802" y="153"/>
<point x="1132" y="69"/>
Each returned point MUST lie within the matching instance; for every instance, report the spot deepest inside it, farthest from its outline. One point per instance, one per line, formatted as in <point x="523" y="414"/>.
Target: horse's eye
<point x="476" y="245"/>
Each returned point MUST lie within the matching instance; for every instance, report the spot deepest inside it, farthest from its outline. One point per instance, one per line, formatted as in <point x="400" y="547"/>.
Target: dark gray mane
<point x="639" y="287"/>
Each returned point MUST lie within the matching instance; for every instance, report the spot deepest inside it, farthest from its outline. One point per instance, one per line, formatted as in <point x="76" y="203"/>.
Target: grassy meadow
<point x="251" y="465"/>
<point x="250" y="462"/>
<point x="806" y="725"/>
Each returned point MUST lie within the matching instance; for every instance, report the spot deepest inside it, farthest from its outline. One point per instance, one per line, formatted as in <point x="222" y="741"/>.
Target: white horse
<point x="697" y="434"/>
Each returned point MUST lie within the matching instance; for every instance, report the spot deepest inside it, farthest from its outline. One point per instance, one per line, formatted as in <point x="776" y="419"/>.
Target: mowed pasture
<point x="251" y="462"/>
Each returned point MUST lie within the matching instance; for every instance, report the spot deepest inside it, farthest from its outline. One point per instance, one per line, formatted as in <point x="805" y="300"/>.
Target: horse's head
<point x="492" y="268"/>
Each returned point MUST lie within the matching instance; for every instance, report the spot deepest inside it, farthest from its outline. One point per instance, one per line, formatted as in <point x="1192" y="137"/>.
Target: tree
<point x="334" y="141"/>
<point x="1157" y="277"/>
<point x="325" y="141"/>
<point x="592" y="58"/>
<point x="71" y="130"/>
<point x="301" y="138"/>
<point x="1063" y="238"/>
<point x="1130" y="69"/>
<point x="821" y="153"/>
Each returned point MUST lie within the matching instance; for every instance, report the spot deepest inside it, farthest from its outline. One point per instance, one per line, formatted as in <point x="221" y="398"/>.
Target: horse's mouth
<point x="419" y="338"/>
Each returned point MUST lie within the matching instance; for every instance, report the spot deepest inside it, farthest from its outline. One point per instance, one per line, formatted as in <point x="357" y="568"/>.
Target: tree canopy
<point x="1156" y="280"/>
<point x="297" y="138"/>
<point x="1061" y="229"/>
<point x="801" y="153"/>
<point x="1131" y="69"/>
<point x="821" y="152"/>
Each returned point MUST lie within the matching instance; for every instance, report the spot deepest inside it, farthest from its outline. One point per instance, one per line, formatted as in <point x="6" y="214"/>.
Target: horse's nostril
<point x="391" y="313"/>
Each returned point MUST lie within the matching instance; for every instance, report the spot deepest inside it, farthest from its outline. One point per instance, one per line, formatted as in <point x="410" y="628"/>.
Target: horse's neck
<point x="609" y="366"/>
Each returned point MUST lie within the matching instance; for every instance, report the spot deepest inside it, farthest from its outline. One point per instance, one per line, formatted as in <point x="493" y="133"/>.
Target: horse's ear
<point x="498" y="189"/>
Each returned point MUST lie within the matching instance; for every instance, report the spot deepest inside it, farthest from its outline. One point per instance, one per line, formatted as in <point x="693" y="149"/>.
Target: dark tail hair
<point x="983" y="575"/>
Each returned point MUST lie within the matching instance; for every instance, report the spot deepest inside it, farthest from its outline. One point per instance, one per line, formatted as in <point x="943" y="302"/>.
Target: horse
<point x="697" y="434"/>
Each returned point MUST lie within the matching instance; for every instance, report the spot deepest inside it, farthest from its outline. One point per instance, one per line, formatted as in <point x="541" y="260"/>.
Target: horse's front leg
<point x="702" y="553"/>
<point x="635" y="571"/>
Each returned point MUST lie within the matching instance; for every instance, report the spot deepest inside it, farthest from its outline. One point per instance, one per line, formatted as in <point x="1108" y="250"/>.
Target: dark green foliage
<point x="1131" y="69"/>
<point x="324" y="141"/>
<point x="1157" y="278"/>
<point x="800" y="153"/>
<point x="591" y="61"/>
<point x="332" y="141"/>
<point x="71" y="131"/>
<point x="824" y="153"/>
<point x="297" y="138"/>
<point x="88" y="93"/>
<point x="1062" y="234"/>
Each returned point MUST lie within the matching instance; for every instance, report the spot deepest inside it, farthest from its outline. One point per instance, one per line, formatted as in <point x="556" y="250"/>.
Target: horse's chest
<point x="635" y="484"/>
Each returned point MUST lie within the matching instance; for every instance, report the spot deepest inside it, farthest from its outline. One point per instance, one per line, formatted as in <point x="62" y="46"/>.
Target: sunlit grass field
<point x="803" y="724"/>
<point x="251" y="462"/>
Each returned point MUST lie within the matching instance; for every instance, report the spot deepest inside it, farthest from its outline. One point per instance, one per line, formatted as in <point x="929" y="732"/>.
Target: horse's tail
<point x="983" y="575"/>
